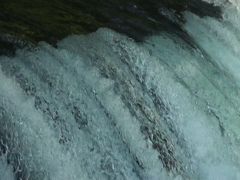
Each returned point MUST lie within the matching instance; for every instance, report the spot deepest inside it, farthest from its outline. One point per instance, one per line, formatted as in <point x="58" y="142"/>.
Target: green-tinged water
<point x="154" y="95"/>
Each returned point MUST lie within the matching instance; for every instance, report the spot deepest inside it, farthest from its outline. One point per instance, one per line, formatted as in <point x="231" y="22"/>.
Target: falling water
<point x="101" y="106"/>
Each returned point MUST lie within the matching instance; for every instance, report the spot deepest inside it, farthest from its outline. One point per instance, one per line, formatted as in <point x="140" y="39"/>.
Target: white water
<point x="104" y="107"/>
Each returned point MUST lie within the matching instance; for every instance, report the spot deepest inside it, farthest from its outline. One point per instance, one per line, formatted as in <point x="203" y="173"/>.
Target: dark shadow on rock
<point x="202" y="8"/>
<point x="50" y="21"/>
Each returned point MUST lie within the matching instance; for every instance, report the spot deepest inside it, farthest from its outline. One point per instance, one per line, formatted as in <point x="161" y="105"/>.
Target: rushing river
<point x="101" y="106"/>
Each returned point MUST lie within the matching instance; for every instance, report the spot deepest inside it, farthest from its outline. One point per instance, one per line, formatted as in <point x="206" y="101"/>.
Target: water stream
<point x="101" y="106"/>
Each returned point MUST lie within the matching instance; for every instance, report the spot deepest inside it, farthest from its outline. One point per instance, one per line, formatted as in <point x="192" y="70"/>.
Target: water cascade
<point x="102" y="106"/>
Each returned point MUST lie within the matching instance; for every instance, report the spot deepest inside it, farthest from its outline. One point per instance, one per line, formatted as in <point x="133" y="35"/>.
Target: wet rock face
<point x="202" y="8"/>
<point x="51" y="21"/>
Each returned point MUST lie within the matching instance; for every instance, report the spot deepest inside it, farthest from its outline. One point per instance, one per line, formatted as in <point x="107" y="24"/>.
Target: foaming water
<point x="102" y="106"/>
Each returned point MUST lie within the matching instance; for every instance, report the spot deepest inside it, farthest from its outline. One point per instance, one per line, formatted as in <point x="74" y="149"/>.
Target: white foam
<point x="94" y="73"/>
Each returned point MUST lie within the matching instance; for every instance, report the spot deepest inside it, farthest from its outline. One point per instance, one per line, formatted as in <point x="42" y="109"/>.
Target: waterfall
<point x="102" y="106"/>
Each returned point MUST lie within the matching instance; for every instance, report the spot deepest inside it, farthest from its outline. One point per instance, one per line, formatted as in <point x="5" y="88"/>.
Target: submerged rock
<point x="51" y="21"/>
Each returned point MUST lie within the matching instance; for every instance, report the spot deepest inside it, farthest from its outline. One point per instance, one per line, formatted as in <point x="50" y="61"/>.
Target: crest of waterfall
<point x="101" y="106"/>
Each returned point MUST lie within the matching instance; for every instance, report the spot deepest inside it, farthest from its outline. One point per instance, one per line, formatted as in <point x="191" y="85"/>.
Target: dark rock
<point x="202" y="8"/>
<point x="50" y="21"/>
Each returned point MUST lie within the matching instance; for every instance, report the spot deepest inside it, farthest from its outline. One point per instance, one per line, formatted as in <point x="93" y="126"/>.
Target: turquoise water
<point x="101" y="106"/>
